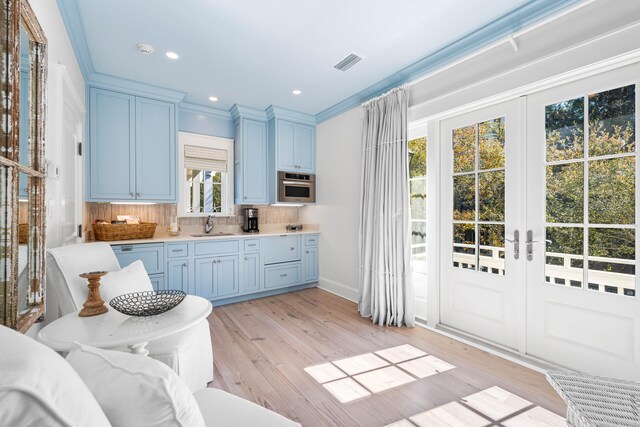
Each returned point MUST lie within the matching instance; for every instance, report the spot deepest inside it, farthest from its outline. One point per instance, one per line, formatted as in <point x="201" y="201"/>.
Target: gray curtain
<point x="386" y="291"/>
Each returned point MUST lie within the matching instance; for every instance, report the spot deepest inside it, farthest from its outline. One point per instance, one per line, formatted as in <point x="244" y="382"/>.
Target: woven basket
<point x="144" y="230"/>
<point x="23" y="233"/>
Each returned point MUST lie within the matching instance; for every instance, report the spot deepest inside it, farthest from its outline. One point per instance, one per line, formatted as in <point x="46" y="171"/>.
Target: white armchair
<point x="188" y="353"/>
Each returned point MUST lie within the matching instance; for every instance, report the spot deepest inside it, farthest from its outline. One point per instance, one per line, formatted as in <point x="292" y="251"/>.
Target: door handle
<point x="530" y="243"/>
<point x="516" y="244"/>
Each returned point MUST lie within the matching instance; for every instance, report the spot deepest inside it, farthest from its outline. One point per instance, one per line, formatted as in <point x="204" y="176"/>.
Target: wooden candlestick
<point x="94" y="304"/>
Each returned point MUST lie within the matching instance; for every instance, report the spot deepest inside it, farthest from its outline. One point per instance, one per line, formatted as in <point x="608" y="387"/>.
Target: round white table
<point x="114" y="329"/>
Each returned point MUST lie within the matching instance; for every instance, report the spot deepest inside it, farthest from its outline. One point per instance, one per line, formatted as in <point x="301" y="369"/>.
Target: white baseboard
<point x="338" y="289"/>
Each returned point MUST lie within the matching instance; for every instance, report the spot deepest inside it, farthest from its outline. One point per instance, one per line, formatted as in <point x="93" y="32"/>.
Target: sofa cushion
<point x="38" y="387"/>
<point x="220" y="408"/>
<point x="135" y="390"/>
<point x="132" y="278"/>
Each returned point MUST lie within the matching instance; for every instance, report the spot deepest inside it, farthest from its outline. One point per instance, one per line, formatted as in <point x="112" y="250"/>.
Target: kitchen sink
<point x="212" y="234"/>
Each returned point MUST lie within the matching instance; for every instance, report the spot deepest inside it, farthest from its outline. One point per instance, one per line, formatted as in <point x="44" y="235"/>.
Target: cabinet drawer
<point x="151" y="255"/>
<point x="177" y="250"/>
<point x="282" y="248"/>
<point x="277" y="276"/>
<point x="311" y="240"/>
<point x="215" y="248"/>
<point x="251" y="245"/>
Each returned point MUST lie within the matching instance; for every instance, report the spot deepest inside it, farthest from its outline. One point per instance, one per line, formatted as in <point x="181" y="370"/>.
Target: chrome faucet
<point x="208" y="225"/>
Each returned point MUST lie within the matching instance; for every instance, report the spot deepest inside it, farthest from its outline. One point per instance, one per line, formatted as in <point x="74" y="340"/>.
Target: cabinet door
<point x="227" y="276"/>
<point x="155" y="151"/>
<point x="250" y="273"/>
<point x="204" y="277"/>
<point x="111" y="146"/>
<point x="151" y="255"/>
<point x="286" y="141"/>
<point x="178" y="274"/>
<point x="158" y="282"/>
<point x="254" y="162"/>
<point x="283" y="248"/>
<point x="310" y="265"/>
<point x="305" y="149"/>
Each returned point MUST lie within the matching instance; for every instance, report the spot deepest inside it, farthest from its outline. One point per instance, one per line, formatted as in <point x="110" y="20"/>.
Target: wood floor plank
<point x="261" y="348"/>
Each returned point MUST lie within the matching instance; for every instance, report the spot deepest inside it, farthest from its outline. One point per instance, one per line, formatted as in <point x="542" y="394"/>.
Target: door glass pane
<point x="564" y="123"/>
<point x="491" y="239"/>
<point x="612" y="189"/>
<point x="464" y="246"/>
<point x="418" y="194"/>
<point x="565" y="193"/>
<point x="611" y="181"/>
<point x="464" y="198"/>
<point x="491" y="143"/>
<point x="418" y="197"/>
<point x="612" y="121"/>
<point x="488" y="140"/>
<point x="491" y="195"/>
<point x="565" y="249"/>
<point x="464" y="149"/>
<point x="612" y="254"/>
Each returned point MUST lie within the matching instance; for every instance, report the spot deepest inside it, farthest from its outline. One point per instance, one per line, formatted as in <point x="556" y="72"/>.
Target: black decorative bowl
<point x="148" y="303"/>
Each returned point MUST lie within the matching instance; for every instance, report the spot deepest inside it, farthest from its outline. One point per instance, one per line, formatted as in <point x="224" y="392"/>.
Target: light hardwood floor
<point x="261" y="348"/>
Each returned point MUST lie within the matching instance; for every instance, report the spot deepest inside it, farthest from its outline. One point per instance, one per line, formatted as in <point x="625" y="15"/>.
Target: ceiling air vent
<point x="348" y="62"/>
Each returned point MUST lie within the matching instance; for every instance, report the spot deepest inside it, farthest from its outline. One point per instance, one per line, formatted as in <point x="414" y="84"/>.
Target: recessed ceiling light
<point x="172" y="55"/>
<point x="296" y="91"/>
<point x="213" y="98"/>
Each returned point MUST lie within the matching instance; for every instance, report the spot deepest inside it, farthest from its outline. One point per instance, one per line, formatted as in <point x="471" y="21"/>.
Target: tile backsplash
<point x="161" y="214"/>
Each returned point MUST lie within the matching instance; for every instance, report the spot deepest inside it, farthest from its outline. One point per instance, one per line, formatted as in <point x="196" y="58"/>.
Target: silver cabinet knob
<point x="246" y="258"/>
<point x="245" y="197"/>
<point x="184" y="264"/>
<point x="131" y="194"/>
<point x="138" y="194"/>
<point x="307" y="251"/>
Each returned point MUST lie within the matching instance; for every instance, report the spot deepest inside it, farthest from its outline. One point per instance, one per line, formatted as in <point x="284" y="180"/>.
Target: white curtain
<point x="386" y="291"/>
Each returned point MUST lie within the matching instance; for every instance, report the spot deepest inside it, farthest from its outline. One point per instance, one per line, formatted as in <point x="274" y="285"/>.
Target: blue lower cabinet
<point x="250" y="273"/>
<point x="227" y="279"/>
<point x="151" y="255"/>
<point x="158" y="282"/>
<point x="228" y="270"/>
<point x="204" y="269"/>
<point x="310" y="262"/>
<point x="281" y="275"/>
<point x="178" y="274"/>
<point x="217" y="277"/>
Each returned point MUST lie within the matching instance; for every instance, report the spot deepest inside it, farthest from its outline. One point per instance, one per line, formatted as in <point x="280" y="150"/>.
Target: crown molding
<point x="510" y="23"/>
<point x="105" y="81"/>
<point x="242" y="111"/>
<point x="273" y="111"/>
<point x="217" y="113"/>
<point x="72" y="21"/>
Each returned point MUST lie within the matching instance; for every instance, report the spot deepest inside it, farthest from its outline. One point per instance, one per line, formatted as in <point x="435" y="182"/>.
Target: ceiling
<point x="254" y="52"/>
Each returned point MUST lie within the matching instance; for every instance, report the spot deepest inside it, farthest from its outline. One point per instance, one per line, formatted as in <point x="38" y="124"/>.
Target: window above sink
<point x="205" y="165"/>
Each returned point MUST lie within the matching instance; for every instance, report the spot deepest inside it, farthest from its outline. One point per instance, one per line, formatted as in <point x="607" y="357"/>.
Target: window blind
<point x="205" y="158"/>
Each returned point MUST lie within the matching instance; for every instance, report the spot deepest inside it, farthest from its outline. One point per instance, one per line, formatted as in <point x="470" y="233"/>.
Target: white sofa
<point x="40" y="388"/>
<point x="188" y="353"/>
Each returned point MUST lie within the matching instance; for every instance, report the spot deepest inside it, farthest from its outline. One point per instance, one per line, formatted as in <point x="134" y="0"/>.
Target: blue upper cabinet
<point x="132" y="148"/>
<point x="295" y="147"/>
<point x="251" y="152"/>
<point x="111" y="146"/>
<point x="155" y="150"/>
<point x="292" y="142"/>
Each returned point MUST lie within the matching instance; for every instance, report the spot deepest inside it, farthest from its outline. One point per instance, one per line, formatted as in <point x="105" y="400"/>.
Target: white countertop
<point x="186" y="237"/>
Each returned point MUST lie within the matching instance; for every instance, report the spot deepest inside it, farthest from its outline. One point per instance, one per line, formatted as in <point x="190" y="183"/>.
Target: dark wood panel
<point x="261" y="348"/>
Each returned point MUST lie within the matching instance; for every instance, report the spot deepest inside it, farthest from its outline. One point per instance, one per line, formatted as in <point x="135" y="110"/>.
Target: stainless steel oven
<point x="296" y="187"/>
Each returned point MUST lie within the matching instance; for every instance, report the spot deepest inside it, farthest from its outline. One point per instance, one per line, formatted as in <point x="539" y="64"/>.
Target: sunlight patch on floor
<point x="491" y="407"/>
<point x="356" y="377"/>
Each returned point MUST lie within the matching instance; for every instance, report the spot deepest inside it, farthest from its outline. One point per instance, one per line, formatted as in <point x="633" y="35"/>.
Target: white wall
<point x="338" y="199"/>
<point x="60" y="56"/>
<point x="595" y="31"/>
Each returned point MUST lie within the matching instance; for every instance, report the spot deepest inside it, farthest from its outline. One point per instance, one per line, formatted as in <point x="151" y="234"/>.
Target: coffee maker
<point x="250" y="220"/>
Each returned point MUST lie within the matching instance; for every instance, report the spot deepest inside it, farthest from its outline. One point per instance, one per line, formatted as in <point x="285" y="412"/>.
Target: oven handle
<point x="300" y="183"/>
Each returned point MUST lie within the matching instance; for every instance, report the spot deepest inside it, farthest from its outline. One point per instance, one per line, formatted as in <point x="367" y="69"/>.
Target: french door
<point x="583" y="310"/>
<point x="482" y="207"/>
<point x="539" y="215"/>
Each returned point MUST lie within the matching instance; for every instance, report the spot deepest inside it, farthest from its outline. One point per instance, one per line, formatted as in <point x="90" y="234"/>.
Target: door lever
<point x="516" y="243"/>
<point x="530" y="243"/>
